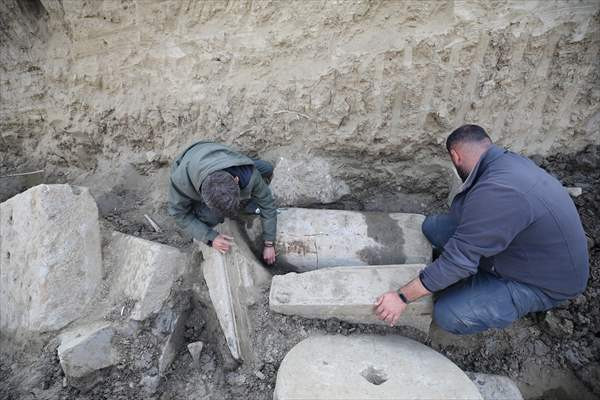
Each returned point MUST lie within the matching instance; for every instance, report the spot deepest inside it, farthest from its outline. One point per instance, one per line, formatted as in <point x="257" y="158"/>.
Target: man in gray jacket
<point x="512" y="243"/>
<point x="207" y="182"/>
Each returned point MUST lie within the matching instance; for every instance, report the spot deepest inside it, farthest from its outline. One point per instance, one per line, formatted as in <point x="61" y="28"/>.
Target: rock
<point x="309" y="239"/>
<point x="556" y="325"/>
<point x="348" y="294"/>
<point x="195" y="349"/>
<point x="172" y="343"/>
<point x="234" y="280"/>
<point x="574" y="191"/>
<point x="369" y="367"/>
<point x="302" y="182"/>
<point x="495" y="387"/>
<point x="86" y="350"/>
<point x="150" y="383"/>
<point x="146" y="272"/>
<point x="50" y="243"/>
<point x="540" y="348"/>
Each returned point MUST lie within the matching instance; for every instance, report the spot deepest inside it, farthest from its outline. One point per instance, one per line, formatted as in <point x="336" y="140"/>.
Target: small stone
<point x="574" y="191"/>
<point x="150" y="383"/>
<point x="195" y="349"/>
<point x="540" y="348"/>
<point x="260" y="375"/>
<point x="235" y="379"/>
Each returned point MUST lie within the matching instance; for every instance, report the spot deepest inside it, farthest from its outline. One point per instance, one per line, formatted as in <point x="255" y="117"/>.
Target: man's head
<point x="466" y="145"/>
<point x="221" y="191"/>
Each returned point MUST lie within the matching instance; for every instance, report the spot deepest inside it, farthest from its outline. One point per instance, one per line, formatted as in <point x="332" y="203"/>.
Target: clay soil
<point x="554" y="355"/>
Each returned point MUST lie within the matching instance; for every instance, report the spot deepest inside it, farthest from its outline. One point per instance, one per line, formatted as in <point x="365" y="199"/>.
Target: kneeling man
<point x="208" y="180"/>
<point x="511" y="244"/>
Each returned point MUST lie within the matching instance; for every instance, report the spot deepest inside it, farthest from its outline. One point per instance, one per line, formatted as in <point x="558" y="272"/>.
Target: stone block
<point x="86" y="350"/>
<point x="145" y="272"/>
<point x="309" y="239"/>
<point x="348" y="294"/>
<point x="369" y="367"/>
<point x="234" y="280"/>
<point x="173" y="342"/>
<point x="50" y="255"/>
<point x="495" y="387"/>
<point x="306" y="181"/>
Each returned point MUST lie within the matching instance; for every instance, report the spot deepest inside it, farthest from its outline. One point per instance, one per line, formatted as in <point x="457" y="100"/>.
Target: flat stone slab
<point x="146" y="271"/>
<point x="495" y="387"/>
<point x="369" y="368"/>
<point x="50" y="258"/>
<point x="234" y="282"/>
<point x="348" y="294"/>
<point x="309" y="239"/>
<point x="87" y="349"/>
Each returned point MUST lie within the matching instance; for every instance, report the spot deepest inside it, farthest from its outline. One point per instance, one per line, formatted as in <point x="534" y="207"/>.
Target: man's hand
<point x="389" y="307"/>
<point x="222" y="243"/>
<point x="269" y="254"/>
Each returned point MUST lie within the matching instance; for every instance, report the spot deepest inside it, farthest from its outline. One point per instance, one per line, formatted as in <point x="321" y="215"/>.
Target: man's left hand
<point x="389" y="307"/>
<point x="269" y="254"/>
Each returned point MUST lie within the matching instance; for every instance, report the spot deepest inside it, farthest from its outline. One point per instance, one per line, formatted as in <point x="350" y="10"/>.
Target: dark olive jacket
<point x="189" y="171"/>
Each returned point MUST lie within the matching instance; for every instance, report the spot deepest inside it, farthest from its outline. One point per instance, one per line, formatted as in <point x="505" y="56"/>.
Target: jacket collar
<point x="486" y="159"/>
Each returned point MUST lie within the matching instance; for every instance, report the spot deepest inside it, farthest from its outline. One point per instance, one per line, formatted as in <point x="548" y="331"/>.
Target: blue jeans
<point x="481" y="301"/>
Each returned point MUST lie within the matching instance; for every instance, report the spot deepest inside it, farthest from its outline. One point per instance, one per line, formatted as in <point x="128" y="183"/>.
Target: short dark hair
<point x="466" y="133"/>
<point x="220" y="192"/>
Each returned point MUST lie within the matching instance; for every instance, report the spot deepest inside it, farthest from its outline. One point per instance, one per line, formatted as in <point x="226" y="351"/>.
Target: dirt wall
<point x="373" y="86"/>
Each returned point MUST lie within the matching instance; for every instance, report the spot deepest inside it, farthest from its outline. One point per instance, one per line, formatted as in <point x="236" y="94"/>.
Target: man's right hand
<point x="222" y="243"/>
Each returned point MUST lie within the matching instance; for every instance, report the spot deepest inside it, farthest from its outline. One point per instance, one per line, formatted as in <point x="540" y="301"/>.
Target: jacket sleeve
<point x="491" y="217"/>
<point x="181" y="208"/>
<point x="262" y="194"/>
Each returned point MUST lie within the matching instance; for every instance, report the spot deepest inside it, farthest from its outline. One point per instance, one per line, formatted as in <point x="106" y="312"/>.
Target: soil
<point x="553" y="355"/>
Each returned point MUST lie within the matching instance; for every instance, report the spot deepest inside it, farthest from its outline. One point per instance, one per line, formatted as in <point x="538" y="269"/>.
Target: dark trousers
<point x="481" y="301"/>
<point x="212" y="217"/>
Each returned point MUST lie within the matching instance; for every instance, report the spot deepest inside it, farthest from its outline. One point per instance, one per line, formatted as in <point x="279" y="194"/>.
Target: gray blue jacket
<point x="523" y="220"/>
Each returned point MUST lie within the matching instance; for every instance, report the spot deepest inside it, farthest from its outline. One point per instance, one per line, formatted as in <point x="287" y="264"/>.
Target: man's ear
<point x="455" y="156"/>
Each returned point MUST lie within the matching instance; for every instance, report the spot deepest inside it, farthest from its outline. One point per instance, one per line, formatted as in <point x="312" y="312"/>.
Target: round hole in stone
<point x="8" y="255"/>
<point x="374" y="375"/>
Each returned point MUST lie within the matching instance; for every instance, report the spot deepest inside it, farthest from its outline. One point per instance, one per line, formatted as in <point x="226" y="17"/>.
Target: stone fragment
<point x="302" y="182"/>
<point x="348" y="294"/>
<point x="574" y="191"/>
<point x="146" y="272"/>
<point x="195" y="349"/>
<point x="86" y="350"/>
<point x="172" y="343"/>
<point x="234" y="280"/>
<point x="150" y="383"/>
<point x="50" y="255"/>
<point x="495" y="387"/>
<point x="309" y="239"/>
<point x="369" y="367"/>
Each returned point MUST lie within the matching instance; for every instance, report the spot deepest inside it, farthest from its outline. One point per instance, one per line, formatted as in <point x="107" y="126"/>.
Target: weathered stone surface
<point x="145" y="271"/>
<point x="347" y="293"/>
<point x="309" y="239"/>
<point x="172" y="343"/>
<point x="87" y="349"/>
<point x="369" y="367"/>
<point x="195" y="349"/>
<point x="50" y="255"/>
<point x="495" y="387"/>
<point x="305" y="181"/>
<point x="234" y="281"/>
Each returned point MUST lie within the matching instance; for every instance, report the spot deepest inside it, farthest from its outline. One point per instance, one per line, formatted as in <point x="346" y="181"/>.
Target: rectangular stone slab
<point x="348" y="294"/>
<point x="309" y="239"/>
<point x="234" y="282"/>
